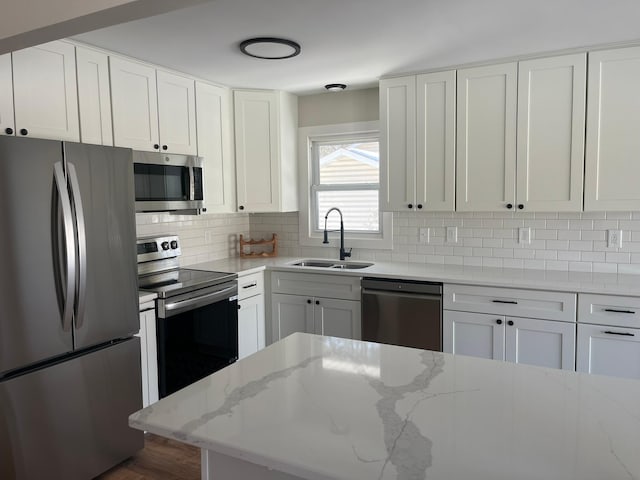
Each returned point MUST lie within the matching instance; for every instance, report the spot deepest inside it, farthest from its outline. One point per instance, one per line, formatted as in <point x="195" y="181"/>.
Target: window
<point x="346" y="174"/>
<point x="341" y="168"/>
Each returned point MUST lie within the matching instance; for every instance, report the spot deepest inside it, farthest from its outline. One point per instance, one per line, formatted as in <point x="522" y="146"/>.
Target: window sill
<point x="370" y="241"/>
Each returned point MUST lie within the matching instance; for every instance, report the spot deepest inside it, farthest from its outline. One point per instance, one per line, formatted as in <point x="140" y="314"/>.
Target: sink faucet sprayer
<point x="343" y="252"/>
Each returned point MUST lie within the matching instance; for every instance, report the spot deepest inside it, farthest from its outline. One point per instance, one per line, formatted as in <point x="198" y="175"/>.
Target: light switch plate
<point x="452" y="234"/>
<point x="524" y="235"/>
<point x="614" y="238"/>
<point x="424" y="235"/>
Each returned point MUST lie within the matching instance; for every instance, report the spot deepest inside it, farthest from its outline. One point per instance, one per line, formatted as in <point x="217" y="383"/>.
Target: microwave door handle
<point x="192" y="184"/>
<point x="82" y="246"/>
<point x="69" y="241"/>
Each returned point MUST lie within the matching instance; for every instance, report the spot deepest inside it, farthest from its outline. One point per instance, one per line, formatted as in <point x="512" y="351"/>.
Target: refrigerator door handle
<point x="81" y="300"/>
<point x="69" y="240"/>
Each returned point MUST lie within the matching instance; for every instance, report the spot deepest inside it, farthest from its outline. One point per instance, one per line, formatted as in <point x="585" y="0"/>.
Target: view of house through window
<point x="346" y="174"/>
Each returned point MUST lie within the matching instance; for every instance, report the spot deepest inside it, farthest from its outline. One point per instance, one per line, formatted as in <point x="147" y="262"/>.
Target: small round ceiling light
<point x="335" y="87"/>
<point x="270" y="48"/>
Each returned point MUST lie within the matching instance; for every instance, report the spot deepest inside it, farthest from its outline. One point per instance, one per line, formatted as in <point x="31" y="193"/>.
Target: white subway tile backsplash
<point x="559" y="241"/>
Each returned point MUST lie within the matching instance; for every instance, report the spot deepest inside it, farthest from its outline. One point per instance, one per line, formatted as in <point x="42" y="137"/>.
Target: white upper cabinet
<point x="94" y="96"/>
<point x="436" y="141"/>
<point x="176" y="113"/>
<point x="134" y="105"/>
<point x="398" y="143"/>
<point x="213" y="112"/>
<point x="613" y="123"/>
<point x="418" y="142"/>
<point x="551" y="118"/>
<point x="7" y="125"/>
<point x="266" y="153"/>
<point x="486" y="137"/>
<point x="45" y="92"/>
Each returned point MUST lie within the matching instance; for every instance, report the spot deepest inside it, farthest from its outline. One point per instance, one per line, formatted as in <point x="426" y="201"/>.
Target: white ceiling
<point x="358" y="41"/>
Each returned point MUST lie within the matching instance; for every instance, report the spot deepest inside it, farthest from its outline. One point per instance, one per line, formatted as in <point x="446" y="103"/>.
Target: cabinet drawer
<point x="511" y="301"/>
<point x="250" y="285"/>
<point x="316" y="285"/>
<point x="609" y="310"/>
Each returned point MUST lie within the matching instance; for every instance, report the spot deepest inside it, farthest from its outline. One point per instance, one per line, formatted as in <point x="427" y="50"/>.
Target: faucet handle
<point x="348" y="254"/>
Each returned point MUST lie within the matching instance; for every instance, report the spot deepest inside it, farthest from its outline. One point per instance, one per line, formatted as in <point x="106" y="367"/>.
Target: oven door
<point x="167" y="182"/>
<point x="197" y="336"/>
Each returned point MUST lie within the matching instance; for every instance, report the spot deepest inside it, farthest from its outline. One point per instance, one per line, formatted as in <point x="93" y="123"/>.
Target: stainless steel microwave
<point x="167" y="182"/>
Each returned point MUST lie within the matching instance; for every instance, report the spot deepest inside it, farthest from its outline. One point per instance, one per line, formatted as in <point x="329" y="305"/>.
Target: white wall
<point x="25" y="23"/>
<point x="338" y="107"/>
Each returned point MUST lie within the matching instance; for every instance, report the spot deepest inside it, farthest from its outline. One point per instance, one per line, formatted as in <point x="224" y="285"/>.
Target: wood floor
<point x="161" y="459"/>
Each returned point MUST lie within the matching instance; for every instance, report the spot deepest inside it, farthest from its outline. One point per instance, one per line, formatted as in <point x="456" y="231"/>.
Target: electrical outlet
<point x="614" y="238"/>
<point x="524" y="235"/>
<point x="424" y="234"/>
<point x="452" y="234"/>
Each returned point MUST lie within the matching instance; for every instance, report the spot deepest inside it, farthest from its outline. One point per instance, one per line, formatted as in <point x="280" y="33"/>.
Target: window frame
<point x="316" y="186"/>
<point x="309" y="235"/>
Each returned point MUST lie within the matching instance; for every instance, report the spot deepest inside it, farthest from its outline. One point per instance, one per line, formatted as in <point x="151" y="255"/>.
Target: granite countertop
<point x="328" y="408"/>
<point x="581" y="282"/>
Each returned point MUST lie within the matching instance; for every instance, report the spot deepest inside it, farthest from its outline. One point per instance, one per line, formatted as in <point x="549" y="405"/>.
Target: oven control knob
<point x="165" y="245"/>
<point x="174" y="244"/>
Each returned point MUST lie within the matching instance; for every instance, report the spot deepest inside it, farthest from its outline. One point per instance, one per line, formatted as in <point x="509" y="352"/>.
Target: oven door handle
<point x="192" y="303"/>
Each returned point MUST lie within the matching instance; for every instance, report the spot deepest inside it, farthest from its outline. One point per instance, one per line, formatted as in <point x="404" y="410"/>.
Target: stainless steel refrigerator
<point x="69" y="364"/>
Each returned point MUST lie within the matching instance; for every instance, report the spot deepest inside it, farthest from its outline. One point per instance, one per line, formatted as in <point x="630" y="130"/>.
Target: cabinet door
<point x="613" y="122"/>
<point x="474" y="334"/>
<point x="134" y="105"/>
<point x="605" y="350"/>
<point x="213" y="120"/>
<point x="142" y="334"/>
<point x="398" y="143"/>
<point x="176" y="113"/>
<point x="256" y="141"/>
<point x="551" y="116"/>
<point x="152" y="354"/>
<point x="94" y="96"/>
<point x="7" y="126"/>
<point x="436" y="141"/>
<point x="45" y="92"/>
<point x="337" y="318"/>
<point x="290" y="314"/>
<point x="250" y="325"/>
<point x="543" y="343"/>
<point x="486" y="138"/>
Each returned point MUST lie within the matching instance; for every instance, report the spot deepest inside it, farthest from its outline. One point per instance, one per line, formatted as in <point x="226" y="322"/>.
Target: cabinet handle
<point x="499" y="322"/>
<point x="510" y="322"/>
<point x="317" y="302"/>
<point x="164" y="147"/>
<point x="623" y="334"/>
<point x="251" y="285"/>
<point x="156" y="146"/>
<point x="239" y="306"/>
<point x="241" y="207"/>
<point x="520" y="206"/>
<point x="614" y="310"/>
<point x="511" y="302"/>
<point x="309" y="301"/>
<point x="8" y="131"/>
<point x="24" y="131"/>
<point x="419" y="206"/>
<point x="509" y="206"/>
<point x="410" y="205"/>
<point x="204" y="209"/>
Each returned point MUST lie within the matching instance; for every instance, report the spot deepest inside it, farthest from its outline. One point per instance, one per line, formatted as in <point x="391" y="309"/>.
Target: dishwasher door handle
<point x="386" y="293"/>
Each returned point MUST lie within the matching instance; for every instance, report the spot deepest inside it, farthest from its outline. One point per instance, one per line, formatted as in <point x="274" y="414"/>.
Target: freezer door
<point x="70" y="420"/>
<point x="101" y="180"/>
<point x="32" y="241"/>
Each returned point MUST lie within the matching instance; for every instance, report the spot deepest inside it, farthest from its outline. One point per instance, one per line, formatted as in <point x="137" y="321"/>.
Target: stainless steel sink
<point x="338" y="265"/>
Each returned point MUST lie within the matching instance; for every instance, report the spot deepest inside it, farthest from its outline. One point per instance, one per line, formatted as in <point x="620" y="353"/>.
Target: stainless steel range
<point x="197" y="314"/>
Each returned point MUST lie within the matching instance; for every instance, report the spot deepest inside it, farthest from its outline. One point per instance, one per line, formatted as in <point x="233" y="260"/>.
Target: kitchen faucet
<point x="343" y="252"/>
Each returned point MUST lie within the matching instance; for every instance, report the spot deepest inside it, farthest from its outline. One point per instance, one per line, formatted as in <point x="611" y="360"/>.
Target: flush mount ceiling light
<point x="270" y="48"/>
<point x="335" y="87"/>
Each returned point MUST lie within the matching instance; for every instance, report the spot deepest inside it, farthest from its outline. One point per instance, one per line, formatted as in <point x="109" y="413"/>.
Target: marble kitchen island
<point x="318" y="407"/>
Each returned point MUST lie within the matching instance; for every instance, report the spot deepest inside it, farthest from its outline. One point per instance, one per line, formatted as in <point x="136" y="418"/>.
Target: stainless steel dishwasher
<point x="402" y="312"/>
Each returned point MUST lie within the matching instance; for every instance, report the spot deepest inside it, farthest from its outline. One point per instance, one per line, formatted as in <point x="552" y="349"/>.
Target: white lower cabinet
<point x="251" y="314"/>
<point x="323" y="316"/>
<point x="149" y="354"/>
<point x="607" y="350"/>
<point x="497" y="324"/>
